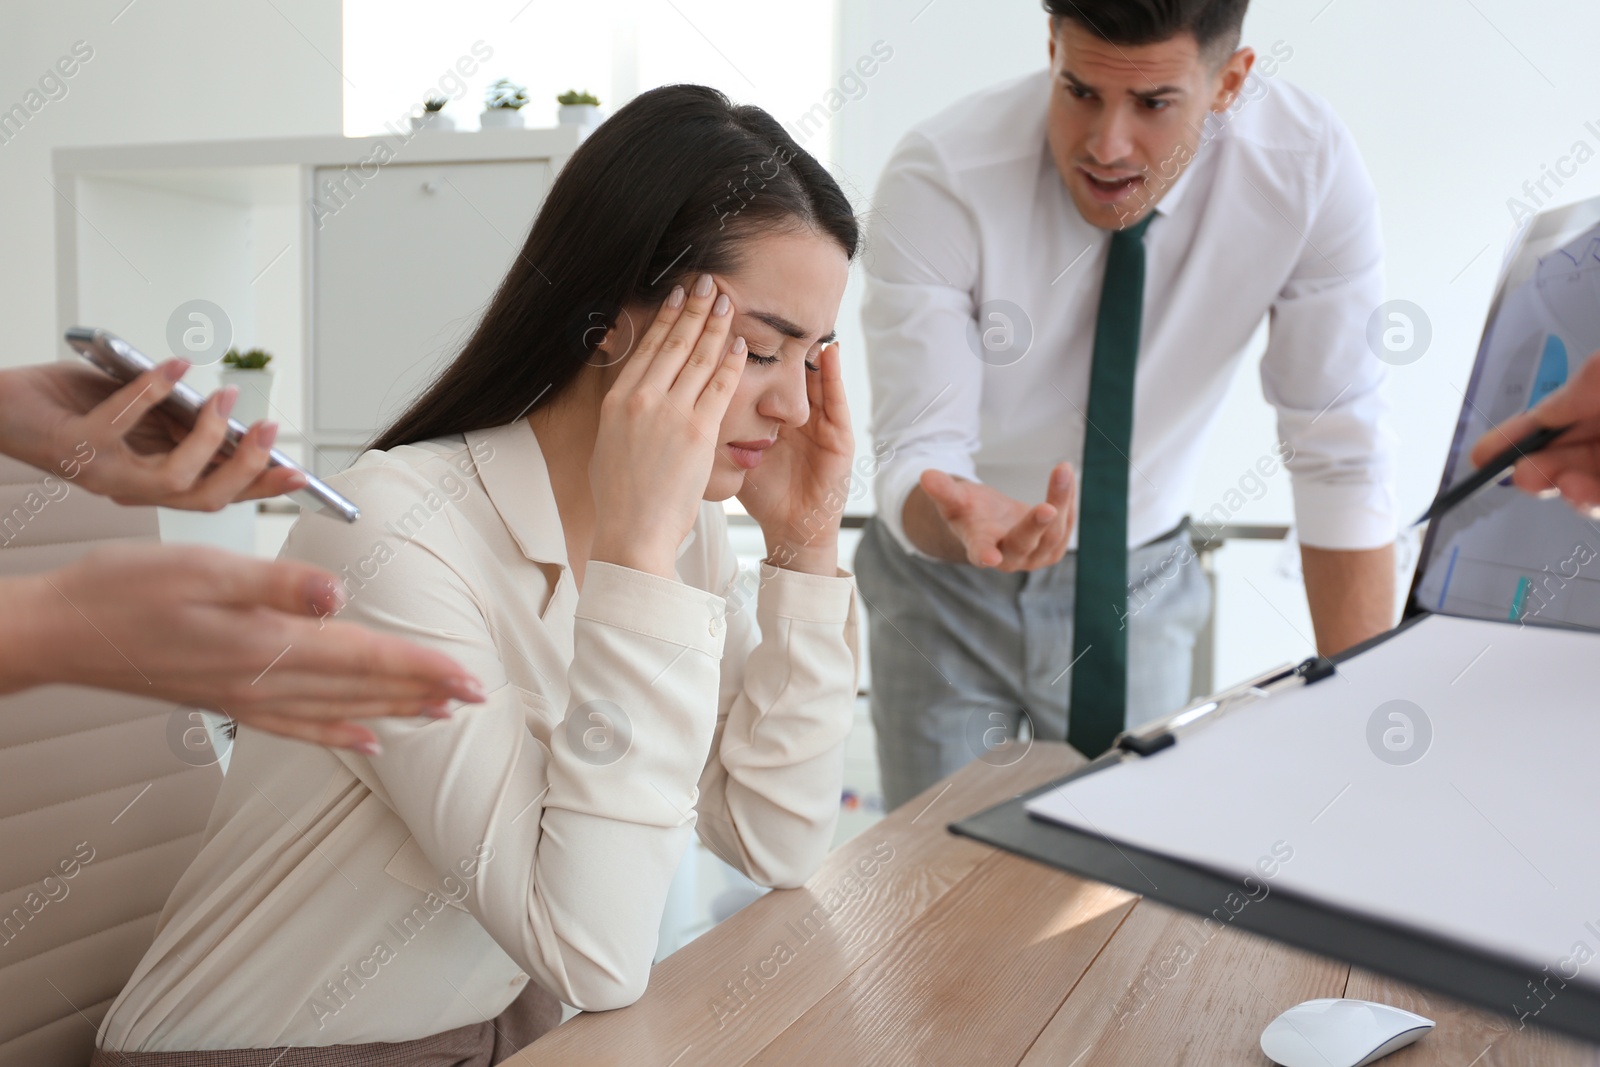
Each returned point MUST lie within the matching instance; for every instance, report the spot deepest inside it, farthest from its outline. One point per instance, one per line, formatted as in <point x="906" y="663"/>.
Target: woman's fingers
<point x="358" y="663"/>
<point x="179" y="478"/>
<point x="274" y="481"/>
<point x="312" y="696"/>
<point x="834" y="404"/>
<point x="684" y="336"/>
<point x="284" y="585"/>
<point x="712" y="402"/>
<point x="243" y="475"/>
<point x="120" y="412"/>
<point x="650" y="343"/>
<point x="174" y="465"/>
<point x="227" y="480"/>
<point x="318" y="698"/>
<point x="187" y="460"/>
<point x="709" y="353"/>
<point x="829" y="422"/>
<point x="328" y="734"/>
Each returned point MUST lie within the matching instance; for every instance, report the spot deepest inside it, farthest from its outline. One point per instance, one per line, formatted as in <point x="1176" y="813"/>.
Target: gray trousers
<point x="961" y="655"/>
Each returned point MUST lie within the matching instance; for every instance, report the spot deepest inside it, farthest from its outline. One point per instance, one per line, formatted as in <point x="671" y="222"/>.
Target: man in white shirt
<point x="1063" y="272"/>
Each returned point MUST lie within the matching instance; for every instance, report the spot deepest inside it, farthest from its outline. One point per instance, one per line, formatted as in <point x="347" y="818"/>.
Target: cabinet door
<point x="403" y="267"/>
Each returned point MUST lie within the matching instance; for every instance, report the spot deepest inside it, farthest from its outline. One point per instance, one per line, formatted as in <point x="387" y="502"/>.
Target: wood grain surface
<point x="912" y="946"/>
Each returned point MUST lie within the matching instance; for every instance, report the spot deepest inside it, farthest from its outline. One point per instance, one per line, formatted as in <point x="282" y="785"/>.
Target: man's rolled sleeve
<point x="921" y="272"/>
<point x="1326" y="384"/>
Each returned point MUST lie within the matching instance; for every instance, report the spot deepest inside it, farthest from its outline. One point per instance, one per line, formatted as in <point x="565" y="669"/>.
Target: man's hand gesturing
<point x="963" y="521"/>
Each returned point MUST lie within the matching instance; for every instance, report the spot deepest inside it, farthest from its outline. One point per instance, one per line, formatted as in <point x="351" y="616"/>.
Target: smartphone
<point x="124" y="362"/>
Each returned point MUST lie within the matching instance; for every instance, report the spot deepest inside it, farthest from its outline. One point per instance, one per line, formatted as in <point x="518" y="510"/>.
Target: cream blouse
<point x="342" y="899"/>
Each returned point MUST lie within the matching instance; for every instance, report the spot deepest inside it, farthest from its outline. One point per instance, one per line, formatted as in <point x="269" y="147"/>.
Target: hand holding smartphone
<point x="124" y="363"/>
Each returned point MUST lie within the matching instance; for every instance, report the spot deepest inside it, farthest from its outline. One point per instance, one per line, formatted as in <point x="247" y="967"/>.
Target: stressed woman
<point x="550" y="514"/>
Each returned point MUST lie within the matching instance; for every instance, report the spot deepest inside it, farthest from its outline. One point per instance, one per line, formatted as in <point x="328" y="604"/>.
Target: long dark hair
<point x="664" y="190"/>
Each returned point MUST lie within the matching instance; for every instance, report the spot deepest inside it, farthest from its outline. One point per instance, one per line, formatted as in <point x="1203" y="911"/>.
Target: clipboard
<point x="1426" y="804"/>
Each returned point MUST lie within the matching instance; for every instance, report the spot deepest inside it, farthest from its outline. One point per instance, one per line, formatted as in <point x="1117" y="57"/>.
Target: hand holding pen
<point x="1568" y="462"/>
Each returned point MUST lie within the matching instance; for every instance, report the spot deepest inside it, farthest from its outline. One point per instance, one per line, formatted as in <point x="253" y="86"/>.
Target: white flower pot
<point x="255" y="392"/>
<point x="580" y="115"/>
<point x="432" y="120"/>
<point x="500" y="118"/>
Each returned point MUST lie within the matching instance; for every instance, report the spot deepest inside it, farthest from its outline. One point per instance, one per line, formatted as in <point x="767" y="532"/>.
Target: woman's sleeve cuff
<point x="806" y="597"/>
<point x="662" y="608"/>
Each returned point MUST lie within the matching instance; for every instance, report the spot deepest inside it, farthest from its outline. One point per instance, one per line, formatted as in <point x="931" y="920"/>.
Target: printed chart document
<point x="1504" y="554"/>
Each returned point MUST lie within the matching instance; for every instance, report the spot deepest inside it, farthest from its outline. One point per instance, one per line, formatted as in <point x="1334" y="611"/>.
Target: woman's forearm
<point x="769" y="799"/>
<point x="30" y="633"/>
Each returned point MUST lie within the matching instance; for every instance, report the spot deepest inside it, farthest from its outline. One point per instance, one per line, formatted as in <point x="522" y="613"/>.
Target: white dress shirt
<point x="1275" y="216"/>
<point x="342" y="899"/>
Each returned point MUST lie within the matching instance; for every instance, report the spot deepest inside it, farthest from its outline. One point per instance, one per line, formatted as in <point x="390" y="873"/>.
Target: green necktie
<point x="1099" y="638"/>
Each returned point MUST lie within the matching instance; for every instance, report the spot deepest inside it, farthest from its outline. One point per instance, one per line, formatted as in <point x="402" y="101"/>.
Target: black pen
<point x="1490" y="471"/>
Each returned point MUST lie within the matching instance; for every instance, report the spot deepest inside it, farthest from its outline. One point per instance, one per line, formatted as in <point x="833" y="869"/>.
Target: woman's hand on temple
<point x="798" y="493"/>
<point x="659" y="424"/>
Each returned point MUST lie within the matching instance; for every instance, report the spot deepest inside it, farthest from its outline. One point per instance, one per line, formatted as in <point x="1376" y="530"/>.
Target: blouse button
<point x="519" y="979"/>
<point x="714" y="627"/>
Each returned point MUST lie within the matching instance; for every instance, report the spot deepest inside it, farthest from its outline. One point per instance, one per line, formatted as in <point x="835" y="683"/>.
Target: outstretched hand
<point x="1001" y="533"/>
<point x="208" y="629"/>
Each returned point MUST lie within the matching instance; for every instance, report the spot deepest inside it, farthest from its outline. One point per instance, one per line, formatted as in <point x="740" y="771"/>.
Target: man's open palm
<point x="1002" y="533"/>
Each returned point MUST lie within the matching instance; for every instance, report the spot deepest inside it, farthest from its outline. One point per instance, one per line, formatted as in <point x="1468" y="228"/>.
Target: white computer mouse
<point x="1339" y="1033"/>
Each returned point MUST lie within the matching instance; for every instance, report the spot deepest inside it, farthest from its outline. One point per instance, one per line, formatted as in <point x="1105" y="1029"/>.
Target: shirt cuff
<point x="806" y="597"/>
<point x="661" y="608"/>
<point x="1344" y="517"/>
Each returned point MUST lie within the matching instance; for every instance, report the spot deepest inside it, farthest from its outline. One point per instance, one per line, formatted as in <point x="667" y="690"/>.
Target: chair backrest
<point x="103" y="802"/>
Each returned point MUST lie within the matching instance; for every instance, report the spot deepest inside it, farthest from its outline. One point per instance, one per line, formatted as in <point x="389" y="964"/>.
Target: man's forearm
<point x="926" y="528"/>
<point x="1351" y="594"/>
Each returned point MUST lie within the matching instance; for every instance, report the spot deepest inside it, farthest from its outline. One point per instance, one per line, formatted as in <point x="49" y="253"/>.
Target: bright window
<point x="395" y="53"/>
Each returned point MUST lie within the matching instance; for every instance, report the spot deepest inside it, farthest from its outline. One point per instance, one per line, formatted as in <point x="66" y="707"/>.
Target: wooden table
<point x="913" y="946"/>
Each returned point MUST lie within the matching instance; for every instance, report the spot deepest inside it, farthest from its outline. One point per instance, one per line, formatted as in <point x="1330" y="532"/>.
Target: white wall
<point x="1455" y="104"/>
<point x="172" y="70"/>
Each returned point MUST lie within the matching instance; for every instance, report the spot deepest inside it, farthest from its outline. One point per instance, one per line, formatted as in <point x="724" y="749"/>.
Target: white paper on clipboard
<point x="1486" y="830"/>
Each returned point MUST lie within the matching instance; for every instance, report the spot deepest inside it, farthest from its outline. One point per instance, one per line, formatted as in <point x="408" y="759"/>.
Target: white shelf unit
<point x="361" y="263"/>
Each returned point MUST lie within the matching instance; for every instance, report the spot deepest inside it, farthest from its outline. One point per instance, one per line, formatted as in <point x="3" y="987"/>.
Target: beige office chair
<point x="103" y="801"/>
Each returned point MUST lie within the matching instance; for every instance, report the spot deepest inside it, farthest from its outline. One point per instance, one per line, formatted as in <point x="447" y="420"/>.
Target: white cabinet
<point x="362" y="279"/>
<point x="401" y="274"/>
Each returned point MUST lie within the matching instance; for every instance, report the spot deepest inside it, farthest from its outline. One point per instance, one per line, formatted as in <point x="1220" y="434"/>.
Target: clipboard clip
<point x="1163" y="732"/>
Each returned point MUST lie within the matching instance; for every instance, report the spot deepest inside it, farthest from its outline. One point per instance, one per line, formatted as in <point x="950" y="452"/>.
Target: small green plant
<point x="572" y="96"/>
<point x="254" y="359"/>
<point x="435" y="102"/>
<point x="506" y="94"/>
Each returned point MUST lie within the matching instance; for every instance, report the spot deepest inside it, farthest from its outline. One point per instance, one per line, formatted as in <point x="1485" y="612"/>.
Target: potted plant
<point x="502" y="105"/>
<point x="249" y="371"/>
<point x="579" y="109"/>
<point x="433" y="116"/>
